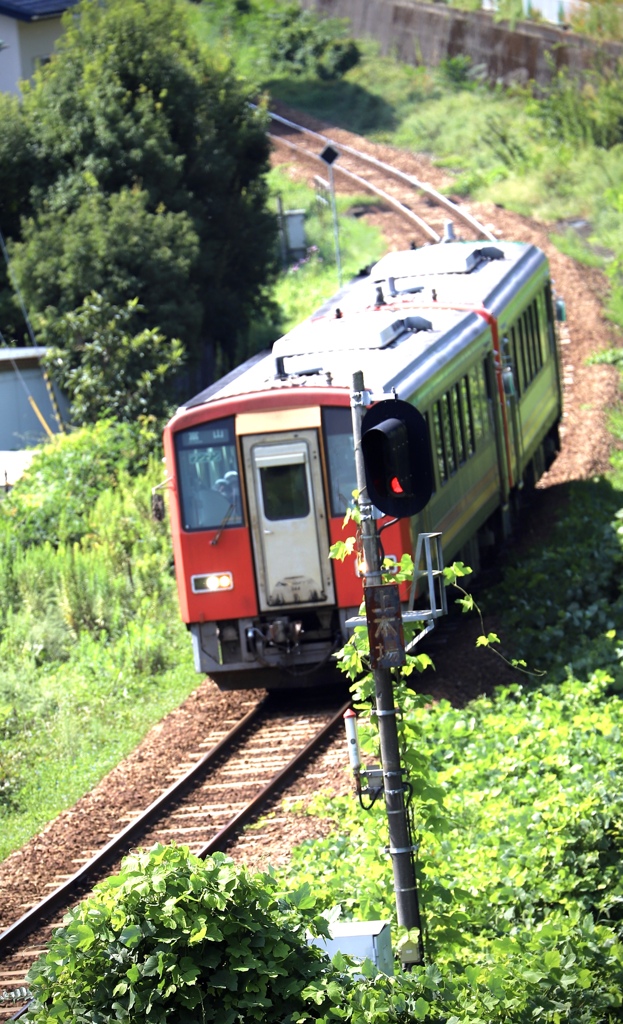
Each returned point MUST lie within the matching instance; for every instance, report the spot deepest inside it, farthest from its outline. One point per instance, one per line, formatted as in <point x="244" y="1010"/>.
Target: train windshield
<point x="209" y="479"/>
<point x="338" y="435"/>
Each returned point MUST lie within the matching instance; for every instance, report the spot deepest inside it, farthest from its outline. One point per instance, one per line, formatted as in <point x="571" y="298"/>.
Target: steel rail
<point x="409" y="179"/>
<point x="222" y="837"/>
<point x="277" y="781"/>
<point x="337" y="169"/>
<point x="42" y="910"/>
<point x="25" y="924"/>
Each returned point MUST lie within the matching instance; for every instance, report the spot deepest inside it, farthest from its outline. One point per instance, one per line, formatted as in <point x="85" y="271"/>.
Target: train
<point x="260" y="465"/>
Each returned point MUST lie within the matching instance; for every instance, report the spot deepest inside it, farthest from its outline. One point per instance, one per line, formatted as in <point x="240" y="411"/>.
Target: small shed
<point x="32" y="409"/>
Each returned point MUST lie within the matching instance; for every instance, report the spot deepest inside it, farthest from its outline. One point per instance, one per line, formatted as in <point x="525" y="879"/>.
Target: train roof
<point x="412" y="312"/>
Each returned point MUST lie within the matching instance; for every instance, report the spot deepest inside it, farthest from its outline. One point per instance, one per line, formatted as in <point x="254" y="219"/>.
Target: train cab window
<point x="208" y="472"/>
<point x="338" y="439"/>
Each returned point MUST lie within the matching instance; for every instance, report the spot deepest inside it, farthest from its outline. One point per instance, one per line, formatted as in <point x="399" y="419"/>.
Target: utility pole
<point x="381" y="608"/>
<point x="330" y="155"/>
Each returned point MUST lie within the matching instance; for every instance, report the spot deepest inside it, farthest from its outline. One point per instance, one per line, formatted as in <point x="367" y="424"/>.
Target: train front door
<point x="288" y="519"/>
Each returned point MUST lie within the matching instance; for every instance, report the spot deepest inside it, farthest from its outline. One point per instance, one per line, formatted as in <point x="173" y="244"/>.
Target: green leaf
<point x="421" y="1008"/>
<point x="303" y="897"/>
<point x="131" y="935"/>
<point x="81" y="936"/>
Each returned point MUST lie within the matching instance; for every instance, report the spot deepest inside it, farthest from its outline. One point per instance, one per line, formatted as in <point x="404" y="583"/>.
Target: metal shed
<point x="31" y="407"/>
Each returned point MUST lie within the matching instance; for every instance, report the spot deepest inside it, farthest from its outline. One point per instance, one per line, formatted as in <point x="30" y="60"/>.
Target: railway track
<point x="207" y="804"/>
<point x="423" y="207"/>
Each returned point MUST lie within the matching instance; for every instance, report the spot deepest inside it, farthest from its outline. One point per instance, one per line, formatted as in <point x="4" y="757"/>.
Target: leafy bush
<point x="106" y="365"/>
<point x="52" y="500"/>
<point x="518" y="805"/>
<point x="562" y="605"/>
<point x="172" y="937"/>
<point x="302" y="43"/>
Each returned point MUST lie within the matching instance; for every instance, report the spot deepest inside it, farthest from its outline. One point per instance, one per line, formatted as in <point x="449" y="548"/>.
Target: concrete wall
<point x="421" y="33"/>
<point x="28" y="44"/>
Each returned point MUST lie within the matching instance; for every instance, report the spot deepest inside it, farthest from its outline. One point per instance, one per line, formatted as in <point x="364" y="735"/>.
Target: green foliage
<point x="104" y="369"/>
<point x="279" y="39"/>
<point x="91" y="645"/>
<point x="455" y="71"/>
<point x="587" y="113"/>
<point x="517" y="801"/>
<point x="112" y="245"/>
<point x="55" y="496"/>
<point x="146" y="181"/>
<point x="601" y="19"/>
<point x="561" y="604"/>
<point x="174" y="936"/>
<point x="299" y="43"/>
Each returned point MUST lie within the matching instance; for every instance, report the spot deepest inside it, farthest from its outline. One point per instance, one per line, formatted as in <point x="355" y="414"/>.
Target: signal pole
<point x="400" y="842"/>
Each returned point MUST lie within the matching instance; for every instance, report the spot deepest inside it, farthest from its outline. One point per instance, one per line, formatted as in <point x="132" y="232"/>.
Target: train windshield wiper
<point x="223" y="524"/>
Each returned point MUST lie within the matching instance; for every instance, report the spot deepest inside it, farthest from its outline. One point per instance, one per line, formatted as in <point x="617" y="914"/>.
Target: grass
<point x="555" y="155"/>
<point x="307" y="282"/>
<point x="97" y="719"/>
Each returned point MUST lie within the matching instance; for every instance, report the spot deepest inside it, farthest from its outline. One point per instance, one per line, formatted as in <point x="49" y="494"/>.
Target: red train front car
<point x="261" y="483"/>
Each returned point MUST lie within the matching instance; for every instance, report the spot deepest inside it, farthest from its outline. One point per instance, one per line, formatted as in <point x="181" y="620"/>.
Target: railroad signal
<point x="397" y="459"/>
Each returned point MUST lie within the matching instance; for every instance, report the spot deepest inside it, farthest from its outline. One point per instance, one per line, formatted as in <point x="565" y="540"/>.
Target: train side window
<point x="339" y="446"/>
<point x="447" y="433"/>
<point x="525" y="346"/>
<point x="477" y="394"/>
<point x="431" y="441"/>
<point x="440" y="452"/>
<point x="517" y="362"/>
<point x="208" y="473"/>
<point x="529" y="342"/>
<point x="467" y="421"/>
<point x="456" y="425"/>
<point x="284" y="491"/>
<point x="533" y="319"/>
<point x="548" y="298"/>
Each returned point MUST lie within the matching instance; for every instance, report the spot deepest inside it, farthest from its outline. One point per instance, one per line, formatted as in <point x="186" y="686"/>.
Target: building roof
<point x="16" y="355"/>
<point x="33" y="10"/>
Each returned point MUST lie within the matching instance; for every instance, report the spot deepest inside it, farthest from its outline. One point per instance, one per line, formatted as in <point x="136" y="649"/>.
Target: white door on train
<point x="288" y="519"/>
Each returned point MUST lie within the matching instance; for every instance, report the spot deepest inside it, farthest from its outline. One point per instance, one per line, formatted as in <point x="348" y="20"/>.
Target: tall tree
<point x="146" y="180"/>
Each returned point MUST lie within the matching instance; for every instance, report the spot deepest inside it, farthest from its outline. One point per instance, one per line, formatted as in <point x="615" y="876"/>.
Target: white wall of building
<point x="28" y="43"/>
<point x="10" y="58"/>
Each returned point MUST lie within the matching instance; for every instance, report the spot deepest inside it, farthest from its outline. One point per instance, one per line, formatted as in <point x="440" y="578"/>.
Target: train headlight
<point x="212" y="582"/>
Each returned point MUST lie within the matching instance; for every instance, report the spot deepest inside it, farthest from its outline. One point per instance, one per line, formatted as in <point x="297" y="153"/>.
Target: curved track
<point x="418" y="202"/>
<point x="208" y="804"/>
<point x="205" y="807"/>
